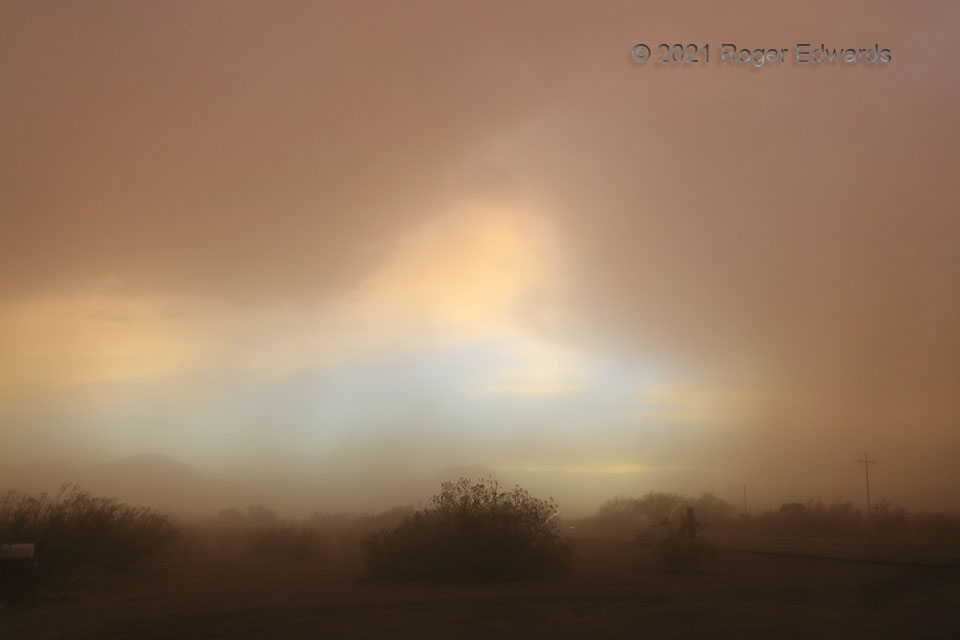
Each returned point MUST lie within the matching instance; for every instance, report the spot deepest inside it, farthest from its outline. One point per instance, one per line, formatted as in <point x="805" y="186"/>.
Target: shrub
<point x="346" y="528"/>
<point x="813" y="518"/>
<point x="76" y="530"/>
<point x="472" y="532"/>
<point x="629" y="514"/>
<point x="260" y="532"/>
<point x="625" y="515"/>
<point x="679" y="547"/>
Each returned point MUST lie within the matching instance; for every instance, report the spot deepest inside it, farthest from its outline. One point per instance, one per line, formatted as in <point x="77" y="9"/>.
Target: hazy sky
<point x="285" y="239"/>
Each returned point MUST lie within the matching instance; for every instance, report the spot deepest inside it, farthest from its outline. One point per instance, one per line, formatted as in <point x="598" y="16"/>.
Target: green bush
<point x="472" y="532"/>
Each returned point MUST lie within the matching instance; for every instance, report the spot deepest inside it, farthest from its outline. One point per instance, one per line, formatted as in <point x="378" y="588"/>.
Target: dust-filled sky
<point x="354" y="243"/>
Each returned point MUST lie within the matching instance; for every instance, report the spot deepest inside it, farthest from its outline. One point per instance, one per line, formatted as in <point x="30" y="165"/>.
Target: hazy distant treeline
<point x="631" y="515"/>
<point x="260" y="531"/>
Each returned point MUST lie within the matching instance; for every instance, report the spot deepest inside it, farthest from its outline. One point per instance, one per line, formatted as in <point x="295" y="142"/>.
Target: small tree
<point x="473" y="532"/>
<point x="681" y="549"/>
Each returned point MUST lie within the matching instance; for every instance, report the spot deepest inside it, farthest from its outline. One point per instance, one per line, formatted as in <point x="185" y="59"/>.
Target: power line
<point x="866" y="462"/>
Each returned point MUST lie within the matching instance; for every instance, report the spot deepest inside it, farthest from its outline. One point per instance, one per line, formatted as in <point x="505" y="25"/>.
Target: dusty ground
<point x="615" y="592"/>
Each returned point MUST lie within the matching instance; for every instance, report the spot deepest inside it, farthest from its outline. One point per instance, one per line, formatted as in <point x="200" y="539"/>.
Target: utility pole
<point x="866" y="462"/>
<point x="744" y="498"/>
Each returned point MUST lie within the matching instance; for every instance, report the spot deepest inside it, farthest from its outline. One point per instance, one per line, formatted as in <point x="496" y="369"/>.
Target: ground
<point x="616" y="591"/>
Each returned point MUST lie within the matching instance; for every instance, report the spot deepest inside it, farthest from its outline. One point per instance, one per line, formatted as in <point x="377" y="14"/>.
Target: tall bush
<point x="75" y="529"/>
<point x="473" y="531"/>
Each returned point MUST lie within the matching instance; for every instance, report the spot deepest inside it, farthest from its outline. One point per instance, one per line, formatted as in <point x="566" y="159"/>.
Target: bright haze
<point x="335" y="251"/>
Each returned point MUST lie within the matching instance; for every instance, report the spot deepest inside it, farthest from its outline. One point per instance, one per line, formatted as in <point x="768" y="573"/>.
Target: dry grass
<point x="616" y="590"/>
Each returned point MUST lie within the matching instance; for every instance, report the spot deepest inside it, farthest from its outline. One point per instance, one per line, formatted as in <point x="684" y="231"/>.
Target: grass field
<point x="615" y="591"/>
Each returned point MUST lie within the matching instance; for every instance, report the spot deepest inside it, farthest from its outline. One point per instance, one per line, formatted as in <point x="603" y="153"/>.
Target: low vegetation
<point x="679" y="546"/>
<point x="260" y="532"/>
<point x="469" y="532"/>
<point x="473" y="532"/>
<point x="76" y="530"/>
<point x="628" y="516"/>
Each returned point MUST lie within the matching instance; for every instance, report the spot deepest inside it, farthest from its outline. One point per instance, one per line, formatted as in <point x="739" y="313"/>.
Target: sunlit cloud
<point x="462" y="273"/>
<point x="538" y="368"/>
<point x="458" y="277"/>
<point x="96" y="336"/>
